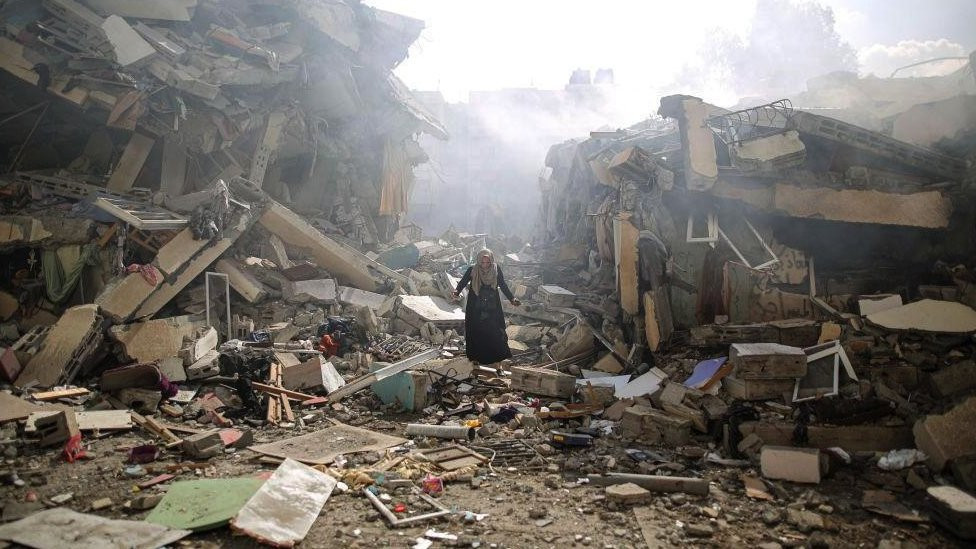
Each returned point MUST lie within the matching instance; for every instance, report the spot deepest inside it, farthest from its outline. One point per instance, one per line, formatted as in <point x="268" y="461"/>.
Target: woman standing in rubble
<point x="484" y="322"/>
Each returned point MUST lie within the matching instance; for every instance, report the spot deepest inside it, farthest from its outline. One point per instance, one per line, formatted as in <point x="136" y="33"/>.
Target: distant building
<point x="485" y="177"/>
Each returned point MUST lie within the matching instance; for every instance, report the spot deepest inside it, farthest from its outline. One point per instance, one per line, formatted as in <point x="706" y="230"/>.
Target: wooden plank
<point x="64" y="393"/>
<point x="133" y="157"/>
<point x="294" y="395"/>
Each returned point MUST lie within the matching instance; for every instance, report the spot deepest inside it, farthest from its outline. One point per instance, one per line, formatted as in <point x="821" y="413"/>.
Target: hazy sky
<point x="480" y="45"/>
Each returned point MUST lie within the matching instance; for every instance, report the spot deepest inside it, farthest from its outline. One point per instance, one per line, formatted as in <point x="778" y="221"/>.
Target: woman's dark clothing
<point x="484" y="322"/>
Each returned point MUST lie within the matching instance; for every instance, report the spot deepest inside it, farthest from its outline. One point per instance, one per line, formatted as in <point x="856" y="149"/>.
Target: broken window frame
<point x="206" y="284"/>
<point x="773" y="261"/>
<point x="821" y="351"/>
<point x="713" y="230"/>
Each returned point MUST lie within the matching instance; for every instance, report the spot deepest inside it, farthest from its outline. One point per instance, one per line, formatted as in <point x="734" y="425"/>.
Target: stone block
<point x="955" y="379"/>
<point x="627" y="493"/>
<point x="69" y="344"/>
<point x="556" y="296"/>
<point x="954" y="509"/>
<point x="203" y="445"/>
<point x="198" y="345"/>
<point x="644" y="422"/>
<point x="312" y="376"/>
<point x="947" y="436"/>
<point x="58" y="428"/>
<point x="757" y="389"/>
<point x="354" y="297"/>
<point x="767" y="361"/>
<point x="154" y="339"/>
<point x="543" y="382"/>
<point x="806" y="465"/>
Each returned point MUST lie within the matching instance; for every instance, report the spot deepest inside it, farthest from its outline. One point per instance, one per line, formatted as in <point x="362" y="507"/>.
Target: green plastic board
<point x="200" y="505"/>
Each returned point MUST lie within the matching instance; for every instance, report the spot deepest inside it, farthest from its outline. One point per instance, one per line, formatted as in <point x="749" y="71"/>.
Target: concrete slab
<point x="65" y="344"/>
<point x="323" y="290"/>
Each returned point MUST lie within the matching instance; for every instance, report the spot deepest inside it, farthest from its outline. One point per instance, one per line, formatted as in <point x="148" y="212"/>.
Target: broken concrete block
<point x="173" y="368"/>
<point x="312" y="376"/>
<point x="144" y="401"/>
<point x="806" y="465"/>
<point x="355" y="297"/>
<point x="609" y="364"/>
<point x="870" y="304"/>
<point x="283" y="332"/>
<point x="322" y="291"/>
<point x="417" y="310"/>
<point x="58" y="428"/>
<point x="698" y="151"/>
<point x="769" y="153"/>
<point x="767" y="361"/>
<point x="68" y="346"/>
<point x="758" y="389"/>
<point x="556" y="296"/>
<point x="243" y="282"/>
<point x="203" y="445"/>
<point x="350" y="266"/>
<point x="646" y="423"/>
<point x="198" y="345"/>
<point x="947" y="436"/>
<point x="955" y="379"/>
<point x="954" y="509"/>
<point x="543" y="382"/>
<point x="154" y="339"/>
<point x="207" y="366"/>
<point x="627" y="493"/>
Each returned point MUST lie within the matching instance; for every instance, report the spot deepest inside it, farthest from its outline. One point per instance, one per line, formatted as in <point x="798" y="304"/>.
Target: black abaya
<point x="484" y="321"/>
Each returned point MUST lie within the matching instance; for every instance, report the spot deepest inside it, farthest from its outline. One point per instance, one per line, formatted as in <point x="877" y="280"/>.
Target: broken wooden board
<point x="454" y="457"/>
<point x="205" y="504"/>
<point x="928" y="315"/>
<point x="62" y="527"/>
<point x="321" y="447"/>
<point x="284" y="508"/>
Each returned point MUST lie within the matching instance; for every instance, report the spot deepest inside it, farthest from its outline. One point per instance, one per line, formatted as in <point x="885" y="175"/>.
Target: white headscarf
<point x="480" y="275"/>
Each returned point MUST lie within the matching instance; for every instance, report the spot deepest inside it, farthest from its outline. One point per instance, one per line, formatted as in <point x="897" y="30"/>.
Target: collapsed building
<point x="206" y="277"/>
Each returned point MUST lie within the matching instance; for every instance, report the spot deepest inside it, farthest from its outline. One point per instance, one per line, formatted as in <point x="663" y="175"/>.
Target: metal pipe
<point x="441" y="431"/>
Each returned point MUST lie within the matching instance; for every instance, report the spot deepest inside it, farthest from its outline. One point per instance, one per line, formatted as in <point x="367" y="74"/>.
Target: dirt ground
<point x="546" y="507"/>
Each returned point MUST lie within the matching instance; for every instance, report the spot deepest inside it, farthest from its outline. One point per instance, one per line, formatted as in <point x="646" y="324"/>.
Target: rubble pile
<point x="750" y="327"/>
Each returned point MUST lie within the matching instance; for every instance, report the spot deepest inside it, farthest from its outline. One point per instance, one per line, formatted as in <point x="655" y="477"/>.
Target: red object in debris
<point x="30" y="497"/>
<point x="156" y="480"/>
<point x="144" y="454"/>
<point x="328" y="346"/>
<point x="219" y="420"/>
<point x="432" y="485"/>
<point x="400" y="508"/>
<point x="148" y="272"/>
<point x="10" y="367"/>
<point x="73" y="450"/>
